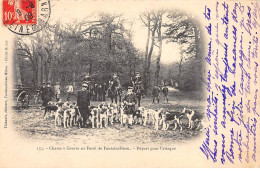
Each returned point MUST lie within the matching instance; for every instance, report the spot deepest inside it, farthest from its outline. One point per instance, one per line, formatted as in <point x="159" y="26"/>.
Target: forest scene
<point x="103" y="44"/>
<point x="165" y="46"/>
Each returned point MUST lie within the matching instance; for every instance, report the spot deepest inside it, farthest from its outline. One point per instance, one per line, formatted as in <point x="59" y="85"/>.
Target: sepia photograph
<point x="129" y="83"/>
<point x="111" y="78"/>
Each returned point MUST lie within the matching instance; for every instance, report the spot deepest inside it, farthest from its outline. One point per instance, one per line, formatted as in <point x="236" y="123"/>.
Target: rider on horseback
<point x="138" y="83"/>
<point x="87" y="79"/>
<point x="114" y="82"/>
<point x="114" y="87"/>
<point x="137" y="79"/>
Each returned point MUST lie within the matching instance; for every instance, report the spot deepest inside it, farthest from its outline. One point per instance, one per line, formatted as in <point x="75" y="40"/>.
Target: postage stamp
<point x="19" y="12"/>
<point x="25" y="17"/>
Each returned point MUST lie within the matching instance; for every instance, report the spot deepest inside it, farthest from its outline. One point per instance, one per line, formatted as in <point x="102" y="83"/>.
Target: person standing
<point x="83" y="101"/>
<point x="57" y="90"/>
<point x="100" y="93"/>
<point x="42" y="91"/>
<point x="95" y="92"/>
<point x="137" y="79"/>
<point x="137" y="83"/>
<point x="70" y="90"/>
<point x="165" y="91"/>
<point x="104" y="91"/>
<point x="48" y="94"/>
<point x="130" y="101"/>
<point x="156" y="93"/>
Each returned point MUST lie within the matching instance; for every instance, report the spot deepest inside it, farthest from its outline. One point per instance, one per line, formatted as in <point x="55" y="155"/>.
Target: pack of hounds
<point x="67" y="115"/>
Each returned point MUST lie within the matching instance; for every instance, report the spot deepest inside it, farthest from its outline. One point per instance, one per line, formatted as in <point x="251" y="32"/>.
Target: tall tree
<point x="159" y="32"/>
<point x="183" y="28"/>
<point x="54" y="53"/>
<point x="146" y="16"/>
<point x="151" y="21"/>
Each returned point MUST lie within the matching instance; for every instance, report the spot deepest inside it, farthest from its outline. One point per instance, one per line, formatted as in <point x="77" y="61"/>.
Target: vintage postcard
<point x="129" y="84"/>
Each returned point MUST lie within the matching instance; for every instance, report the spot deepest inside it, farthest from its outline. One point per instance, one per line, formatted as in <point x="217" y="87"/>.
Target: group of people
<point x="156" y="93"/>
<point x="97" y="92"/>
<point x="47" y="93"/>
<point x="84" y="96"/>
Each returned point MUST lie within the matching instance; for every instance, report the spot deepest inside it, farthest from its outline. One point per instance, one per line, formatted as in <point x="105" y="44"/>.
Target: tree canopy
<point x="103" y="44"/>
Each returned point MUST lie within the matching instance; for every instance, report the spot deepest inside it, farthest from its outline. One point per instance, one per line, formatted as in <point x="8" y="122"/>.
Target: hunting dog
<point x="59" y="114"/>
<point x="79" y="118"/>
<point x="50" y="109"/>
<point x="143" y="115"/>
<point x="156" y="117"/>
<point x="172" y="117"/>
<point x="73" y="114"/>
<point x="195" y="120"/>
<point x="110" y="113"/>
<point x="150" y="116"/>
<point x="116" y="112"/>
<point x="95" y="112"/>
<point x="103" y="115"/>
<point x="189" y="114"/>
<point x="70" y="114"/>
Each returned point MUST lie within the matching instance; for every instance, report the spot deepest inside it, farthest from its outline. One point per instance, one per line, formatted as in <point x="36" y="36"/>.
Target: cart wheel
<point x="23" y="99"/>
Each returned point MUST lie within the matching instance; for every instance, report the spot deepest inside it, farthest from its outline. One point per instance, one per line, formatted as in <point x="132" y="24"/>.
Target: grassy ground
<point x="30" y="124"/>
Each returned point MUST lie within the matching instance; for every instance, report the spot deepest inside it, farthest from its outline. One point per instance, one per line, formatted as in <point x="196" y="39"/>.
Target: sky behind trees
<point x="170" y="52"/>
<point x="162" y="44"/>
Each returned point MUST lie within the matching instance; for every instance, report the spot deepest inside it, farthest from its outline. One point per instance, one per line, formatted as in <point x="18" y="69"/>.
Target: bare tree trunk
<point x="74" y="72"/>
<point x="90" y="67"/>
<point x="198" y="39"/>
<point x="130" y="70"/>
<point x="74" y="79"/>
<point x="180" y="68"/>
<point x="18" y="72"/>
<point x="150" y="54"/>
<point x="53" y="53"/>
<point x="42" y="67"/>
<point x="91" y="50"/>
<point x="146" y="53"/>
<point x="41" y="62"/>
<point x="199" y="44"/>
<point x="39" y="71"/>
<point x="157" y="71"/>
<point x="35" y="67"/>
<point x="36" y="76"/>
<point x="46" y="71"/>
<point x="134" y="64"/>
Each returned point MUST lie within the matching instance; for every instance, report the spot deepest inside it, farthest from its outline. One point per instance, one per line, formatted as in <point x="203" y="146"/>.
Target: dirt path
<point x="30" y="124"/>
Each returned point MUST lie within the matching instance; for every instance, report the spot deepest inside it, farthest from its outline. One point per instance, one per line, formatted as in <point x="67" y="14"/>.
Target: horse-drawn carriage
<point x="21" y="96"/>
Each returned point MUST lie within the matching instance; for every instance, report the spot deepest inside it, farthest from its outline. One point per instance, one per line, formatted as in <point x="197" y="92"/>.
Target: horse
<point x="138" y="90"/>
<point x="119" y="93"/>
<point x="113" y="91"/>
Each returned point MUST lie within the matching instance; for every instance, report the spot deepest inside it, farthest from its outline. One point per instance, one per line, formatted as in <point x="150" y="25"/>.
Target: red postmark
<point x="22" y="12"/>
